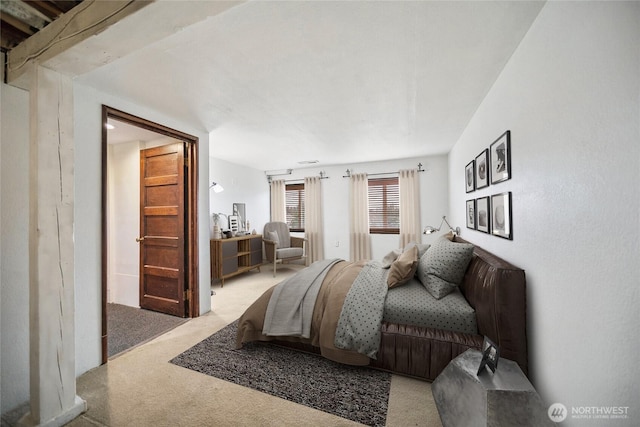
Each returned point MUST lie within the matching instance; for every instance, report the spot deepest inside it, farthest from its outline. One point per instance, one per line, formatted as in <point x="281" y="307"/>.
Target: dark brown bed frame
<point x="495" y="288"/>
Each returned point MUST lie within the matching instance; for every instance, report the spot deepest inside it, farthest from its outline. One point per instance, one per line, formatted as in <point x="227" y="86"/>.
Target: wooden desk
<point x="235" y="255"/>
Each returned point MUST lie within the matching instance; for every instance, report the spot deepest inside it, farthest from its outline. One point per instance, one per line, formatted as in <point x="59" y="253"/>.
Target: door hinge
<point x="186" y="295"/>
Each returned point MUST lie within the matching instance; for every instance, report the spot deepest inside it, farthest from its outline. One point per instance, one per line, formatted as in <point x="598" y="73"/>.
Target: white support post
<point x="53" y="396"/>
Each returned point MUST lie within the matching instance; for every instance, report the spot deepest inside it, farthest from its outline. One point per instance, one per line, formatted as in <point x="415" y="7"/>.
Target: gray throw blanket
<point x="359" y="324"/>
<point x="290" y="308"/>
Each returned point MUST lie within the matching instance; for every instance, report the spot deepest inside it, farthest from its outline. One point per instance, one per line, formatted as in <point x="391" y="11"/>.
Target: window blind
<point x="384" y="206"/>
<point x="294" y="203"/>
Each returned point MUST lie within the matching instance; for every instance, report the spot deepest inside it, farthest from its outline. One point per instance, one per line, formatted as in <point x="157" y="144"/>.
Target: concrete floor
<point x="140" y="387"/>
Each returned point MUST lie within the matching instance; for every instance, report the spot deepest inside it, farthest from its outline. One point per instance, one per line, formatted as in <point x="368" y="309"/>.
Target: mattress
<point x="412" y="304"/>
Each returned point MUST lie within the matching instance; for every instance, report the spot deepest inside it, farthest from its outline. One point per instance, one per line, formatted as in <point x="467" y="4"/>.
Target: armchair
<point x="280" y="246"/>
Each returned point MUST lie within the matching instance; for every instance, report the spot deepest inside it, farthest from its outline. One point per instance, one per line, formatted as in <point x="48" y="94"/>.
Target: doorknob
<point x="139" y="239"/>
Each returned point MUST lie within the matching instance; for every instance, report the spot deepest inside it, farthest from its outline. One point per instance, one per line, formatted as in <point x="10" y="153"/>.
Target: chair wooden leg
<point x="274" y="268"/>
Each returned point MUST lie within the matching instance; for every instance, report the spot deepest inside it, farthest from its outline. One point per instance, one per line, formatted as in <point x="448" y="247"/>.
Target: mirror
<point x="239" y="211"/>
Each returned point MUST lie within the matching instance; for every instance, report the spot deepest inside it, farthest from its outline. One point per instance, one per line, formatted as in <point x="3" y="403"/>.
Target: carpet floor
<point x="128" y="327"/>
<point x="356" y="393"/>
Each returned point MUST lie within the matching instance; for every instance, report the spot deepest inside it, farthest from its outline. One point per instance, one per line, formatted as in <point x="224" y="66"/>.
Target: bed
<point x="414" y="331"/>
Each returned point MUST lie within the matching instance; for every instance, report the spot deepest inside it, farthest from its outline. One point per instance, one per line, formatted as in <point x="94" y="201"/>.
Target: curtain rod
<point x="348" y="175"/>
<point x="322" y="175"/>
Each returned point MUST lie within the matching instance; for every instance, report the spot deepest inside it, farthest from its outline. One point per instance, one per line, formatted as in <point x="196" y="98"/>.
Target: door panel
<point x="162" y="247"/>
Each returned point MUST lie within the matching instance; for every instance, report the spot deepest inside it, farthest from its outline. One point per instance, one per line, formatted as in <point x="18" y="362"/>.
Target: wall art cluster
<point x="490" y="214"/>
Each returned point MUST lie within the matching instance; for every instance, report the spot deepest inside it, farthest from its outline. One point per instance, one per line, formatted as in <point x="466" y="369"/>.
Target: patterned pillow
<point x="403" y="269"/>
<point x="442" y="267"/>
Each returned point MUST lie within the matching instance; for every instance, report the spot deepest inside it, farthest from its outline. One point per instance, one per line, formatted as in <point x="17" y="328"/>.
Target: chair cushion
<point x="284" y="238"/>
<point x="273" y="236"/>
<point x="284" y="253"/>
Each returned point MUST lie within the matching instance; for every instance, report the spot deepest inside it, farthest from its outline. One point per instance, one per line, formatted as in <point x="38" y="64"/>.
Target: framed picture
<point x="482" y="214"/>
<point x="490" y="356"/>
<point x="501" y="225"/>
<point x="470" y="176"/>
<point x="471" y="214"/>
<point x="482" y="169"/>
<point x="501" y="158"/>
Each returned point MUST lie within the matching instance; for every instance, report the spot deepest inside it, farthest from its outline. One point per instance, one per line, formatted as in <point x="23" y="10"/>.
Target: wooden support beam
<point x="85" y="20"/>
<point x="17" y="24"/>
<point x="46" y="8"/>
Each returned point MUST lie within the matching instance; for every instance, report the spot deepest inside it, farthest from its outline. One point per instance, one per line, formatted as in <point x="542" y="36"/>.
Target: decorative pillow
<point x="442" y="267"/>
<point x="422" y="248"/>
<point x="403" y="269"/>
<point x="390" y="258"/>
<point x="273" y="236"/>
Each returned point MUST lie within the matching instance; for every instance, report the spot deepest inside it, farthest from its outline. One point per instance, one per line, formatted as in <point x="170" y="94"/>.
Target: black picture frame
<point x="501" y="222"/>
<point x="471" y="214"/>
<point x="483" y="214"/>
<point x="482" y="169"/>
<point x="490" y="356"/>
<point x="500" y="151"/>
<point x="470" y="176"/>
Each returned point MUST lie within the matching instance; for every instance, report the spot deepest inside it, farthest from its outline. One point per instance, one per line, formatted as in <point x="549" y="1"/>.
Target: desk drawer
<point x="229" y="265"/>
<point x="229" y="249"/>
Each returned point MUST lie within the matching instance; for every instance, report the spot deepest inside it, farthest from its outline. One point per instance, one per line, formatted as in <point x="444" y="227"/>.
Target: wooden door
<point x="162" y="230"/>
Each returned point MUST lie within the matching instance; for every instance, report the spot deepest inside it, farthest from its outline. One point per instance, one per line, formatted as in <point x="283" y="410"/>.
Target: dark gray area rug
<point x="128" y="327"/>
<point x="356" y="393"/>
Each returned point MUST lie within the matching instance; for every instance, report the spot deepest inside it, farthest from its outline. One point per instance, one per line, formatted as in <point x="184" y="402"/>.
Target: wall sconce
<point x="217" y="188"/>
<point x="429" y="229"/>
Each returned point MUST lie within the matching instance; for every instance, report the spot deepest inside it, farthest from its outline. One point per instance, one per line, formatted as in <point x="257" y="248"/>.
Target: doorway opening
<point x="149" y="220"/>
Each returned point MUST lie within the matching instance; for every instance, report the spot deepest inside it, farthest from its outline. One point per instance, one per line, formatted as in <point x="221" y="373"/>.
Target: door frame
<point x="191" y="211"/>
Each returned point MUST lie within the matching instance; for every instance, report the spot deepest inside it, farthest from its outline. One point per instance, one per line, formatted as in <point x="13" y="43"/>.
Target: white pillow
<point x="390" y="258"/>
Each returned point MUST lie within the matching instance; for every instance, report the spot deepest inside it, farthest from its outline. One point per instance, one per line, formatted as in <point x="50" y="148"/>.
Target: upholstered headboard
<point x="496" y="289"/>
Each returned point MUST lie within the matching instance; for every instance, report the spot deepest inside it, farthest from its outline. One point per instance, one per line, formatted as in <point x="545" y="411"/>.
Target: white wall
<point x="87" y="108"/>
<point x="14" y="221"/>
<point x="570" y="96"/>
<point x="335" y="193"/>
<point x="241" y="185"/>
<point x="250" y="186"/>
<point x="123" y="219"/>
<point x="14" y="248"/>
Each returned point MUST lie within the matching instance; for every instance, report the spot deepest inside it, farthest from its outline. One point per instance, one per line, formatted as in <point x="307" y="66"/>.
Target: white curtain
<point x="313" y="227"/>
<point x="278" y="202"/>
<point x="359" y="238"/>
<point x="409" y="186"/>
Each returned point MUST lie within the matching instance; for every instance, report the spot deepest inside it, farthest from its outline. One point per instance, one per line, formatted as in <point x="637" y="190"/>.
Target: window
<point x="294" y="199"/>
<point x="384" y="206"/>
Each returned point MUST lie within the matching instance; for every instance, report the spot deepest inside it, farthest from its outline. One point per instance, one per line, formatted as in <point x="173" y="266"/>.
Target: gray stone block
<point x="504" y="398"/>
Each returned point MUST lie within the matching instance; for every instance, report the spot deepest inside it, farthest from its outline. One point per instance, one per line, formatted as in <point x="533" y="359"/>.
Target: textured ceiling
<point x="277" y="83"/>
